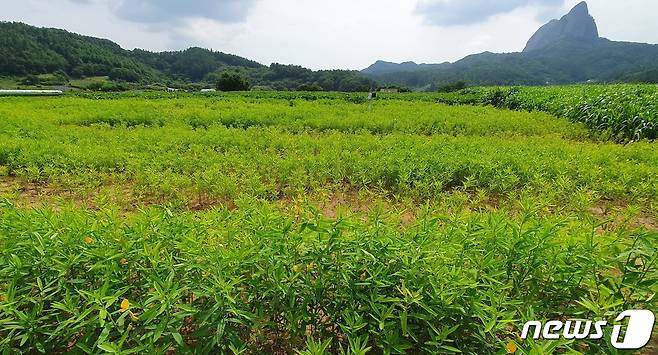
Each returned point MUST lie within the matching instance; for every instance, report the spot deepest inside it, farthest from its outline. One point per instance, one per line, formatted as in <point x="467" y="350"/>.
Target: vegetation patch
<point x="268" y="222"/>
<point x="620" y="112"/>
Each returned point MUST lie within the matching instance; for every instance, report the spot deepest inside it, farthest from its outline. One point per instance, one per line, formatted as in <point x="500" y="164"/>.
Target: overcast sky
<point x="329" y="34"/>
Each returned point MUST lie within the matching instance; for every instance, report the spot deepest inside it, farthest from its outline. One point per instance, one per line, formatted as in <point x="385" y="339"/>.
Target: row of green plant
<point x="415" y="150"/>
<point x="621" y="112"/>
<point x="295" y="113"/>
<point x="253" y="279"/>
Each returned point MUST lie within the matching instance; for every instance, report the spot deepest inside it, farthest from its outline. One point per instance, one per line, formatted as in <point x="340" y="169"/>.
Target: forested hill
<point x="29" y="51"/>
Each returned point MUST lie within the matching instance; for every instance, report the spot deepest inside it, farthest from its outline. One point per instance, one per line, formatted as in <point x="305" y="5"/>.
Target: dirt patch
<point x="355" y="204"/>
<point x="29" y="194"/>
<point x="363" y="204"/>
<point x="608" y="207"/>
<point x="408" y="218"/>
<point x="7" y="184"/>
<point x="126" y="195"/>
<point x="648" y="223"/>
<point x="597" y="212"/>
<point x="38" y="195"/>
<point x="206" y="202"/>
<point x="349" y="200"/>
<point x="615" y="212"/>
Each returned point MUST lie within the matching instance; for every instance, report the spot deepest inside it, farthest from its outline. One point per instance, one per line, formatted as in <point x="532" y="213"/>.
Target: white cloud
<point x="172" y="11"/>
<point x="467" y="12"/>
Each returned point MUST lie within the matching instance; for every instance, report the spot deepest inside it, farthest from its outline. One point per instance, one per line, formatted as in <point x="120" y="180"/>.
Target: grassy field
<point x="283" y="222"/>
<point x="8" y="83"/>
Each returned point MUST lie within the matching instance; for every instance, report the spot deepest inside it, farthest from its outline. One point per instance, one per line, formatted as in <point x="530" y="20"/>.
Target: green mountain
<point x="563" y="51"/>
<point x="28" y="51"/>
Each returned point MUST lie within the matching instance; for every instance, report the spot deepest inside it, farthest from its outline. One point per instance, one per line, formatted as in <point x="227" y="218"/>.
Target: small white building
<point x="208" y="90"/>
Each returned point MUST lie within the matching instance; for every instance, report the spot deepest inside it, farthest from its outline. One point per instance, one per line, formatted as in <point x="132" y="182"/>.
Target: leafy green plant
<point x="238" y="223"/>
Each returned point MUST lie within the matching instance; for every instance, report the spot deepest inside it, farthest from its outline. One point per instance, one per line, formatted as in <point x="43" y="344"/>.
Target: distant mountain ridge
<point x="562" y="51"/>
<point x="383" y="66"/>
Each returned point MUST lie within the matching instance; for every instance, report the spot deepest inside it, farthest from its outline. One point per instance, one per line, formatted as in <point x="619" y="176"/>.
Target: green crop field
<point x="269" y="222"/>
<point x="619" y="112"/>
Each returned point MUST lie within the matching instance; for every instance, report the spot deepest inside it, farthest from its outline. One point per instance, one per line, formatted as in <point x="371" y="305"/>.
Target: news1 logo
<point x="636" y="335"/>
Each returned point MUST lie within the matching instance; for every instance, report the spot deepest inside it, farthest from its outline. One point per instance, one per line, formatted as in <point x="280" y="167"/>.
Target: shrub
<point x="309" y="87"/>
<point x="232" y="81"/>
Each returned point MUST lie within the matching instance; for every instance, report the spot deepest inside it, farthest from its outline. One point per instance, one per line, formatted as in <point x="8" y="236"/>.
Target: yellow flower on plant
<point x="297" y="268"/>
<point x="125" y="305"/>
<point x="311" y="266"/>
<point x="89" y="240"/>
<point x="511" y="347"/>
<point x="124" y="261"/>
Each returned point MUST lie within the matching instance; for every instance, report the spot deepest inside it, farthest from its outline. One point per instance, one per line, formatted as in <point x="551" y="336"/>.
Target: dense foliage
<point x="225" y="281"/>
<point x="621" y="112"/>
<point x="232" y="82"/>
<point x="269" y="222"/>
<point x="27" y="50"/>
<point x="192" y="64"/>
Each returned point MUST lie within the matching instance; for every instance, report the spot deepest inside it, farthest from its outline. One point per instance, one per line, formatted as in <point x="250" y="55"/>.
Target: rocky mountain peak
<point x="579" y="10"/>
<point x="577" y="25"/>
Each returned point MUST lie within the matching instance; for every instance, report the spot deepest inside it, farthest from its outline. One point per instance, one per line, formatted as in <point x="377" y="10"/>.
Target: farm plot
<point x="149" y="223"/>
<point x="619" y="112"/>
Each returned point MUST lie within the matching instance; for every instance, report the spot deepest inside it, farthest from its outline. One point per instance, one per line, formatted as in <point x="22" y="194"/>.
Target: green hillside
<point x="28" y="52"/>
